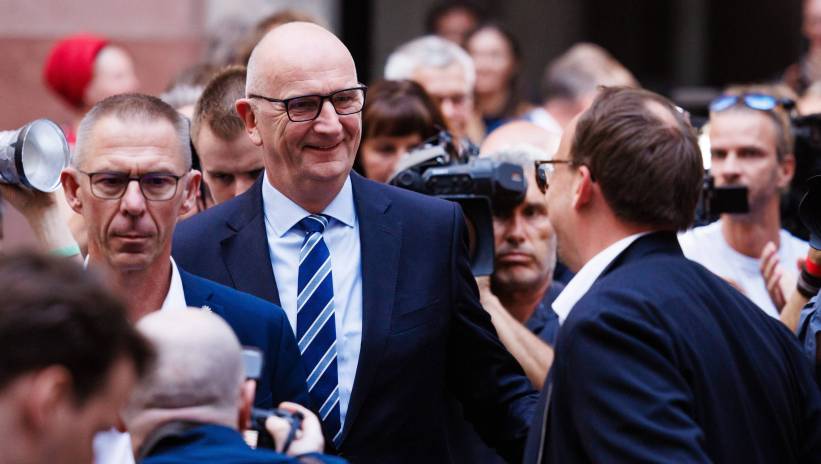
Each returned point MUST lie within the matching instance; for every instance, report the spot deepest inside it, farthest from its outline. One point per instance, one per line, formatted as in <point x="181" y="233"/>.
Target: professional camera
<point x="715" y="201"/>
<point x="252" y="361"/>
<point x="807" y="133"/>
<point x="480" y="186"/>
<point x="264" y="439"/>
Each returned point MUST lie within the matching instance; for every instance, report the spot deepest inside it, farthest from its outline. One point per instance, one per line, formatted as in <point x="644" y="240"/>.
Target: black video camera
<point x="715" y="201"/>
<point x="807" y="150"/>
<point x="480" y="186"/>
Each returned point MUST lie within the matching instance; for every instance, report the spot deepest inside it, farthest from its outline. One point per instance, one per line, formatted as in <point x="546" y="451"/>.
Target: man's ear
<point x="190" y="190"/>
<point x="583" y="188"/>
<point x="48" y="393"/>
<point x="70" y="187"/>
<point x="246" y="113"/>
<point x="246" y="402"/>
<point x="786" y="170"/>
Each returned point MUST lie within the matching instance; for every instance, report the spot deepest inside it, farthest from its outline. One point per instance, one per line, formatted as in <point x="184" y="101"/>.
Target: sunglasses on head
<point x="756" y="101"/>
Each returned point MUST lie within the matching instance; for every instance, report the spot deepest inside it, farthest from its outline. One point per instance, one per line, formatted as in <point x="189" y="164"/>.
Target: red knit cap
<point x="70" y="66"/>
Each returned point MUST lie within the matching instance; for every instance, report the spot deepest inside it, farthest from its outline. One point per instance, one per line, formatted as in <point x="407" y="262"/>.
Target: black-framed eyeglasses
<point x="154" y="186"/>
<point x="545" y="170"/>
<point x="756" y="101"/>
<point x="307" y="107"/>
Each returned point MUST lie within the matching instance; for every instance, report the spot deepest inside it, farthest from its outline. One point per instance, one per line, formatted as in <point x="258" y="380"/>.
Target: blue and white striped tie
<point x="316" y="325"/>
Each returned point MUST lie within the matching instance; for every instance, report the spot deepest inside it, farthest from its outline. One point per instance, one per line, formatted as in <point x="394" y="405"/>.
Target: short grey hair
<point x="132" y="107"/>
<point x="429" y="51"/>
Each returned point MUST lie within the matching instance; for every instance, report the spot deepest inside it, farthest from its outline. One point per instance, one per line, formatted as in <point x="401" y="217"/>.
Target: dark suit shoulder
<point x="244" y="303"/>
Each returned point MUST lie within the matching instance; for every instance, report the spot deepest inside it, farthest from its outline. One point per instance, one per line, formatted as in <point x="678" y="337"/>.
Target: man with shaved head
<point x="657" y="358"/>
<point x="375" y="280"/>
<point x="196" y="401"/>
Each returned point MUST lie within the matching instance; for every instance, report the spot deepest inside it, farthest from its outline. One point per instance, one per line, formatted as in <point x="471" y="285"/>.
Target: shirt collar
<point x="584" y="279"/>
<point x="175" y="298"/>
<point x="283" y="214"/>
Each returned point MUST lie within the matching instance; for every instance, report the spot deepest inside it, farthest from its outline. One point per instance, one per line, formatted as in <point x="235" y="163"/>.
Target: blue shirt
<point x="342" y="238"/>
<point x="544" y="322"/>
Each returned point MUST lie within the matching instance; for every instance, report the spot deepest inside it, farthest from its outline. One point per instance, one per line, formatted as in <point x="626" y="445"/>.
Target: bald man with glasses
<point x="375" y="280"/>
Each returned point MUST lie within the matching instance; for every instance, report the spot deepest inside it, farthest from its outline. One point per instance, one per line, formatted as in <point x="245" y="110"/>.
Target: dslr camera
<point x="252" y="360"/>
<point x="480" y="186"/>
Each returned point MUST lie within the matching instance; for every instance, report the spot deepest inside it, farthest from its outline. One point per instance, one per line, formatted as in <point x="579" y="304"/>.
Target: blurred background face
<point x="448" y="87"/>
<point x="113" y="75"/>
<point x="812" y="22"/>
<point x="743" y="152"/>
<point x="494" y="60"/>
<point x="229" y="168"/>
<point x="455" y="24"/>
<point x="380" y="153"/>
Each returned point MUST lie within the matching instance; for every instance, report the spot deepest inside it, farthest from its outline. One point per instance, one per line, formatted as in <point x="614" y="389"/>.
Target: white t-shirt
<point x="706" y="246"/>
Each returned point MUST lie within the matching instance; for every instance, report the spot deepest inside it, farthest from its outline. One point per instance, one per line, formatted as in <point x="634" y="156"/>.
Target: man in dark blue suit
<point x="373" y="278"/>
<point x="657" y="359"/>
<point x="130" y="179"/>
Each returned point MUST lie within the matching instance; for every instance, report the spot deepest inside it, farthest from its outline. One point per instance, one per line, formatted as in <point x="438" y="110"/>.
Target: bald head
<point x="290" y="49"/>
<point x="521" y="133"/>
<point x="199" y="371"/>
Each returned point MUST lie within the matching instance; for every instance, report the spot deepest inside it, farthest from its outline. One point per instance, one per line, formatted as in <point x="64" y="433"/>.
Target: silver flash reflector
<point x="34" y="155"/>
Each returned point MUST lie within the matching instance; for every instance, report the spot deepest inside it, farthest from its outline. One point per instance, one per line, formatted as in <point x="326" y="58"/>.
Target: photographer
<point x="751" y="145"/>
<point x="195" y="402"/>
<point x="520" y="291"/>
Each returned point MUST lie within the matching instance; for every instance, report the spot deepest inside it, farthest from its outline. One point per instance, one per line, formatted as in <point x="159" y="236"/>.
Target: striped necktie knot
<point x="314" y="223"/>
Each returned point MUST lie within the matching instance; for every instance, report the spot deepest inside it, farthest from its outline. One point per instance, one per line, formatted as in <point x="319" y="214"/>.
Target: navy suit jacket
<point x="218" y="444"/>
<point x="662" y="361"/>
<point x="426" y="340"/>
<point x="257" y="323"/>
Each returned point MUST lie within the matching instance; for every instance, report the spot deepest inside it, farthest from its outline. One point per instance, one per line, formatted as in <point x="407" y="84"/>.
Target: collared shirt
<point x="175" y="298"/>
<point x="584" y="279"/>
<point x="342" y="238"/>
<point x="111" y="446"/>
<point x="544" y="322"/>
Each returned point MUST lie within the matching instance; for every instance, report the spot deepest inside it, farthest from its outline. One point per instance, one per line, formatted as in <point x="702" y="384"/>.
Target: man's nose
<point x="133" y="201"/>
<point x="730" y="167"/>
<point x="514" y="230"/>
<point x="327" y="120"/>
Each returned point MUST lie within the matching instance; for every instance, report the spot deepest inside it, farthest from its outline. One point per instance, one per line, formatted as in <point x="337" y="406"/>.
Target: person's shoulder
<point x="250" y="305"/>
<point x="203" y="222"/>
<point x="408" y="201"/>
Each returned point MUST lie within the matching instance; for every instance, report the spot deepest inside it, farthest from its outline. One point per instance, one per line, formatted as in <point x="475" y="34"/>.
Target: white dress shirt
<point x="583" y="280"/>
<point x="342" y="238"/>
<point x="111" y="446"/>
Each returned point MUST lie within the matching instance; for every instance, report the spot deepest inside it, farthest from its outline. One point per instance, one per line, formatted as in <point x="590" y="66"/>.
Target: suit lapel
<point x="380" y="233"/>
<point x="245" y="248"/>
<point x="198" y="295"/>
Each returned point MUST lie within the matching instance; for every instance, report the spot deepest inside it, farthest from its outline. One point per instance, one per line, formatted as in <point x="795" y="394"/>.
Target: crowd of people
<point x="227" y="275"/>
